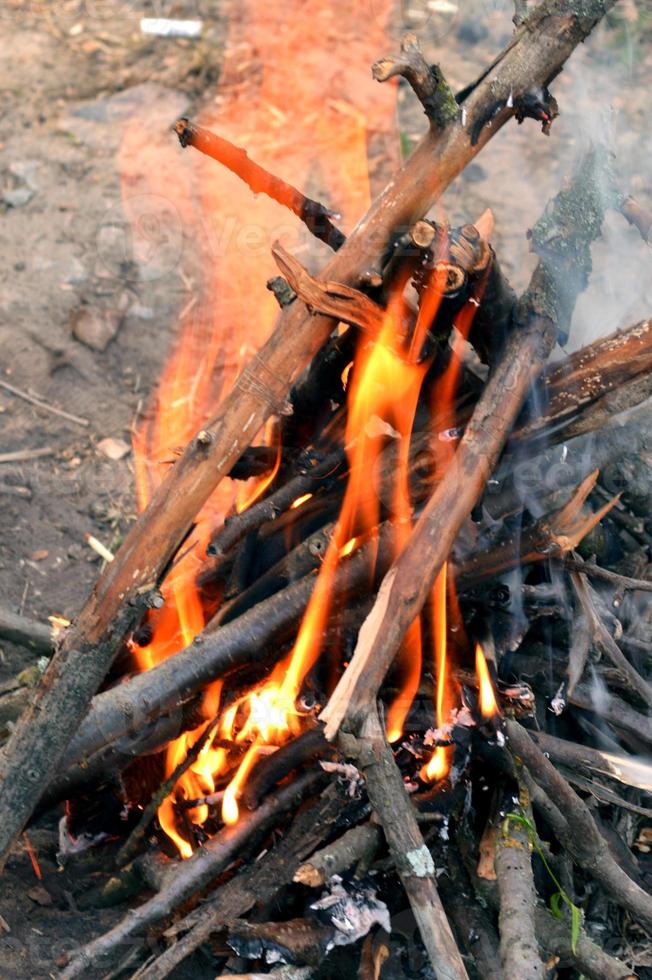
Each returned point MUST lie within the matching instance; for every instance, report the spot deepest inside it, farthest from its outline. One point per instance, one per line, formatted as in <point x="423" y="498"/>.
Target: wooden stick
<point x="40" y="403"/>
<point x="577" y="831"/>
<point x="412" y="859"/>
<point x="519" y="949"/>
<point x="357" y="844"/>
<point x="257" y="883"/>
<point x="23" y="455"/>
<point x="189" y="877"/>
<point x="543" y="309"/>
<point x="314" y="215"/>
<point x="535" y="54"/>
<point x="25" y="632"/>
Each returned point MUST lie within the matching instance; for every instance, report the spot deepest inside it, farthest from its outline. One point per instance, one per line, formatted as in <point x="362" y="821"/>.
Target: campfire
<point x="361" y="676"/>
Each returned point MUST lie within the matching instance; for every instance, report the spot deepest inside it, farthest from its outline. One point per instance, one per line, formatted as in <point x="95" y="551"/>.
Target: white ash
<point x="352" y="911"/>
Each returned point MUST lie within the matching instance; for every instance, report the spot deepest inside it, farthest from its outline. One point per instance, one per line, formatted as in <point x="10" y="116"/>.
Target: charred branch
<point x="562" y="237"/>
<point x="189" y="878"/>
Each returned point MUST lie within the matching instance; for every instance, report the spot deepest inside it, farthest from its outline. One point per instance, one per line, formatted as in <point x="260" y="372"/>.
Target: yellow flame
<point x="487" y="698"/>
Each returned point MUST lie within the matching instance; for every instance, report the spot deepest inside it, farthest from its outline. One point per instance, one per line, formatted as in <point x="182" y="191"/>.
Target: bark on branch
<point x="562" y="237"/>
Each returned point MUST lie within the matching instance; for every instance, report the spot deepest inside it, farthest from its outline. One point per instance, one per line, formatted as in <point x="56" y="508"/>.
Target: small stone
<point x="95" y="328"/>
<point x="113" y="448"/>
<point x="77" y="272"/>
<point x="141" y="312"/>
<point x="25" y="171"/>
<point x="39" y="895"/>
<point x="18" y="197"/>
<point x="39" y="555"/>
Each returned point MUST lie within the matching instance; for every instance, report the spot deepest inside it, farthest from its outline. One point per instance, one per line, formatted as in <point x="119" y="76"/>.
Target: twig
<point x="357" y="844"/>
<point x="35" y="749"/>
<point x="622" y="582"/>
<point x="34" y="400"/>
<point x="576" y="830"/>
<point x="519" y="949"/>
<point x="188" y="878"/>
<point x="562" y="241"/>
<point x="411" y="857"/>
<point x="13" y="490"/>
<point x="25" y="632"/>
<point x="22" y="455"/>
<point x="133" y="842"/>
<point x="257" y="883"/>
<point x="602" y="638"/>
<point x="314" y="215"/>
<point x="428" y="82"/>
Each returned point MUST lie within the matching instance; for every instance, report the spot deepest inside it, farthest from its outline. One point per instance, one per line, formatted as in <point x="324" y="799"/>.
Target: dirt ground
<point x="72" y="73"/>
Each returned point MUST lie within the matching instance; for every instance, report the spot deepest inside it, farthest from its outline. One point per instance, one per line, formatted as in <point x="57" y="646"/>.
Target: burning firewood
<point x="271" y="715"/>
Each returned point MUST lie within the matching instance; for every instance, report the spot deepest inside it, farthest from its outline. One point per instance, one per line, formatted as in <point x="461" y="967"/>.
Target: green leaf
<point x="576" y="925"/>
<point x="555" y="906"/>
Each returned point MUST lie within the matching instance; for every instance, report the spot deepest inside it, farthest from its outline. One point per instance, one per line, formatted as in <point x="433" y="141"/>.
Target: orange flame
<point x="487" y="698"/>
<point x="228" y="311"/>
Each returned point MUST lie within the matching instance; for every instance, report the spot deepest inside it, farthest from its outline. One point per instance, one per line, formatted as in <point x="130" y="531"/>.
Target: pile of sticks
<point x="545" y="460"/>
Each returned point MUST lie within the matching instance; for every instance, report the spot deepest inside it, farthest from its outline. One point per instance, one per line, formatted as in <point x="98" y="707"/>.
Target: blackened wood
<point x="32" y="756"/>
<point x="562" y="238"/>
<point x="555" y="938"/>
<point x="257" y="883"/>
<point x="189" y="878"/>
<point x="271" y="769"/>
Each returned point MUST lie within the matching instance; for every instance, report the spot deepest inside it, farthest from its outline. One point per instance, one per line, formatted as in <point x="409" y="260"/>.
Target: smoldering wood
<point x="236" y="527"/>
<point x="412" y="859"/>
<point x="254" y="884"/>
<point x="192" y="876"/>
<point x="536" y="54"/>
<point x="271" y="769"/>
<point x="129" y="705"/>
<point x="243" y="641"/>
<point x="574" y="219"/>
<point x="135" y="839"/>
